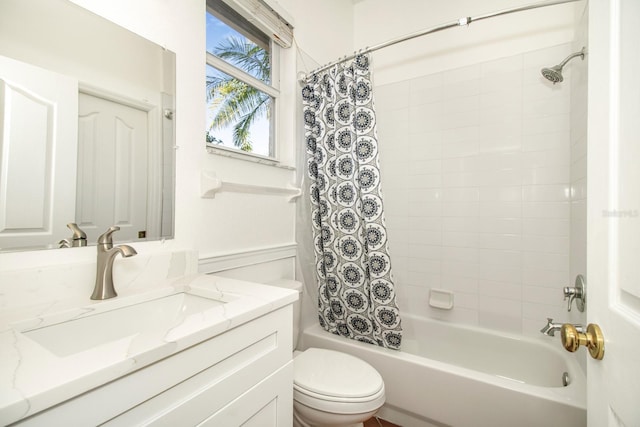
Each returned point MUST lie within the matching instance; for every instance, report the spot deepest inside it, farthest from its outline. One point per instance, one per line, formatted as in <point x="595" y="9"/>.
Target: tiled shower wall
<point x="476" y="169"/>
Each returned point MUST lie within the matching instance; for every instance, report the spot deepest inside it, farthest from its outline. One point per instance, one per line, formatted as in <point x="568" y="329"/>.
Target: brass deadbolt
<point x="592" y="339"/>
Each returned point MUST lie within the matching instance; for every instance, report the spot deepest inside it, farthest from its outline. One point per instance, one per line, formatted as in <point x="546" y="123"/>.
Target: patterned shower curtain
<point x="355" y="286"/>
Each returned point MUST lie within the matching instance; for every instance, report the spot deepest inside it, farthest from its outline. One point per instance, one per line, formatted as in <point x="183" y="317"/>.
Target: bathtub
<point x="452" y="375"/>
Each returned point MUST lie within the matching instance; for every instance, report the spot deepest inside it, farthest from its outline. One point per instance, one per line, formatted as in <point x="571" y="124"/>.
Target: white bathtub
<point x="461" y="376"/>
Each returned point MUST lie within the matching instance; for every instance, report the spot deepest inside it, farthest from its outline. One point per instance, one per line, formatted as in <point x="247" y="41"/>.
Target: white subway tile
<point x="460" y="224"/>
<point x="547" y="158"/>
<point x="500" y="241"/>
<point x="500" y="209"/>
<point x="545" y="141"/>
<point x="460" y="209"/>
<point x="459" y="120"/>
<point x="425" y="209"/>
<point x="425" y="280"/>
<point x="545" y="227"/>
<point x="498" y="177"/>
<point x="511" y="80"/>
<point x="501" y="97"/>
<point x="450" y="180"/>
<point x="460" y="164"/>
<point x="541" y="295"/>
<point x="392" y="96"/>
<point x="548" y="244"/>
<point x="425" y="195"/>
<point x="462" y="74"/>
<point x="546" y="175"/>
<point x="546" y="193"/>
<point x="425" y="251"/>
<point x="430" y="223"/>
<point x="460" y="239"/>
<point x="427" y="266"/>
<point x="545" y="261"/>
<point x="497" y="67"/>
<point x="460" y="149"/>
<point x="460" y="105"/>
<point x="465" y="255"/>
<point x="463" y="279"/>
<point x="465" y="300"/>
<point x="501" y="194"/>
<point x="547" y="107"/>
<point x="426" y="95"/>
<point x="420" y="167"/>
<point x="501" y="257"/>
<point x="459" y="134"/>
<point x="500" y="225"/>
<point x="555" y="123"/>
<point x="464" y="194"/>
<point x="490" y="288"/>
<point x="556" y="210"/>
<point x="425" y="237"/>
<point x="545" y="278"/>
<point x="462" y="89"/>
<point x="424" y="181"/>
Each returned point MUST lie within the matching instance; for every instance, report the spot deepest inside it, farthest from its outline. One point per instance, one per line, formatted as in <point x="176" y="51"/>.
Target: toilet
<point x="331" y="388"/>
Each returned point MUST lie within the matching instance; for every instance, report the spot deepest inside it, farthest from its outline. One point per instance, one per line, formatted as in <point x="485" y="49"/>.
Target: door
<point x="112" y="168"/>
<point x="613" y="212"/>
<point x="38" y="145"/>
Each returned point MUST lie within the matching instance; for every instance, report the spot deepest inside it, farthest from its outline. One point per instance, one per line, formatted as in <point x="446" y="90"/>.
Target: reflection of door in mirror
<point x="113" y="141"/>
<point x="38" y="127"/>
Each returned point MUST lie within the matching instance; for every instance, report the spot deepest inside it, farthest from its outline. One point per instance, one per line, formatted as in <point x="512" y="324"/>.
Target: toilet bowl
<point x="334" y="389"/>
<point x="331" y="388"/>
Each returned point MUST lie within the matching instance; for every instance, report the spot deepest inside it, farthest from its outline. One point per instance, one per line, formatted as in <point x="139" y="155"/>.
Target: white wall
<point x="376" y="21"/>
<point x="475" y="157"/>
<point x="231" y="224"/>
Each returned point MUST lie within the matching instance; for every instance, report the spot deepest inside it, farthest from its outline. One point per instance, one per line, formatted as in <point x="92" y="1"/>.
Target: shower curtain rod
<point x="459" y="23"/>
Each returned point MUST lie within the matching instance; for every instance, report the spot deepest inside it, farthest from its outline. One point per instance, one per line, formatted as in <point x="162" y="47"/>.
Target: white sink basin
<point x="142" y="321"/>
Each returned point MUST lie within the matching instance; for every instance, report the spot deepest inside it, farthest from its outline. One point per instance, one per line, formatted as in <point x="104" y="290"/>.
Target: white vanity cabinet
<point x="243" y="376"/>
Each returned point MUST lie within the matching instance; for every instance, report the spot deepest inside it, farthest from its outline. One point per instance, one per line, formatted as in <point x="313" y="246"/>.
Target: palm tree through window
<point x="240" y="96"/>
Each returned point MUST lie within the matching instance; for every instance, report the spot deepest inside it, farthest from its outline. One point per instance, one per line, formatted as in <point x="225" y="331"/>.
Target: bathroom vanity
<point x="201" y="350"/>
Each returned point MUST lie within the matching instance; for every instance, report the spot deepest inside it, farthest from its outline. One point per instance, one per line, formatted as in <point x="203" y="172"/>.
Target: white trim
<point x="237" y="73"/>
<point x="210" y="184"/>
<point x="226" y="261"/>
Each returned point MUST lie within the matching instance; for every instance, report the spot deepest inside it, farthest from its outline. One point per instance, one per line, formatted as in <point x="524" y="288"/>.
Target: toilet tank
<point x="297" y="306"/>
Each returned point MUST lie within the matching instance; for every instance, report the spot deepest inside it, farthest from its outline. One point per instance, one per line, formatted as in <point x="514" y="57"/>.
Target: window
<point x="242" y="83"/>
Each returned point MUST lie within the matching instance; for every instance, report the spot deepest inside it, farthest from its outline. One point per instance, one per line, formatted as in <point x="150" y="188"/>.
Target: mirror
<point x="86" y="128"/>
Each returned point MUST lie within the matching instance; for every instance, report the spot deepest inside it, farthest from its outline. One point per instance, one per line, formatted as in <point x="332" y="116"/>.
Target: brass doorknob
<point x="592" y="339"/>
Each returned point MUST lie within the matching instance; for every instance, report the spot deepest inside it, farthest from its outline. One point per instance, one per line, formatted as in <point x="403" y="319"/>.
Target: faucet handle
<point x="106" y="239"/>
<point x="577" y="293"/>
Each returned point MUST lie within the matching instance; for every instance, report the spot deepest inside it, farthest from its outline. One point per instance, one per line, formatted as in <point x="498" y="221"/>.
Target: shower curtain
<point x="356" y="295"/>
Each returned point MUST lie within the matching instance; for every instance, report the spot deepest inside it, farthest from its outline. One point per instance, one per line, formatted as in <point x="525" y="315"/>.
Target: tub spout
<point x="551" y="328"/>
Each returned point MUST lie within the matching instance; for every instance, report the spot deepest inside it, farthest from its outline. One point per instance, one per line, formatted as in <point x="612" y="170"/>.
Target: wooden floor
<point x="373" y="422"/>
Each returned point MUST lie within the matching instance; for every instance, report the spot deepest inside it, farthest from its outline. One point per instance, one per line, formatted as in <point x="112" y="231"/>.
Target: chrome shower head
<point x="554" y="74"/>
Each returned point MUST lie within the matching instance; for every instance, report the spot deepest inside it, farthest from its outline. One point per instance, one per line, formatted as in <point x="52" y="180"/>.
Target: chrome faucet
<point x="104" y="288"/>
<point x="551" y="328"/>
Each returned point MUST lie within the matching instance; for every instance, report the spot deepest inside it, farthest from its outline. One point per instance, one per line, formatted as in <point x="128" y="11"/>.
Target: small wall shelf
<point x="210" y="185"/>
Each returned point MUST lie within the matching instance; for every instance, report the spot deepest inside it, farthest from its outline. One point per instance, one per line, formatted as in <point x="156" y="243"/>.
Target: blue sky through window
<point x="218" y="31"/>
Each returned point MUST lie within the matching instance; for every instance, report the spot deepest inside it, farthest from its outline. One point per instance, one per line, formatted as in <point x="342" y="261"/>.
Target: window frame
<point x="272" y="90"/>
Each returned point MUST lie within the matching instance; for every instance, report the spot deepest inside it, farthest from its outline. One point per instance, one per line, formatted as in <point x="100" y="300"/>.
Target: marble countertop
<point x="32" y="378"/>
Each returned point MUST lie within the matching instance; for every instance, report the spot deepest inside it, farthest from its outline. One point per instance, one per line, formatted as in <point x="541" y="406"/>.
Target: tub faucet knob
<point x="577" y="293"/>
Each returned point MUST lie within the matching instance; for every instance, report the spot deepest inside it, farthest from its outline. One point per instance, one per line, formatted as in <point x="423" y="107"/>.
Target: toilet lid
<point x="333" y="374"/>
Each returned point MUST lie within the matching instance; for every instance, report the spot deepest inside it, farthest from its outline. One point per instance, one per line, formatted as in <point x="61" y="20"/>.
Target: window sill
<point x="248" y="157"/>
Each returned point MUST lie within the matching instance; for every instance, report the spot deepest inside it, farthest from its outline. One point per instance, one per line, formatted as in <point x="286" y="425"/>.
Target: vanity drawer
<point x="192" y="384"/>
